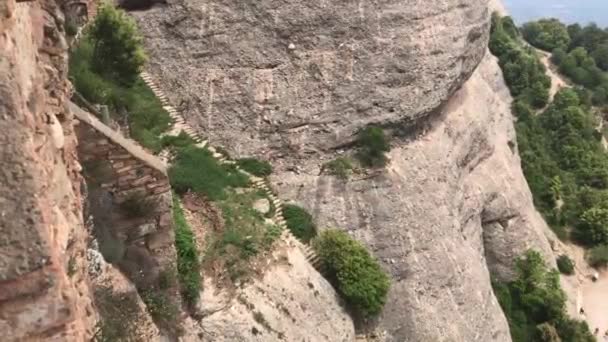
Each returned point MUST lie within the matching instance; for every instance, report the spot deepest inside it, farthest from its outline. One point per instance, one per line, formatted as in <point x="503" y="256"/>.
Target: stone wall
<point x="120" y="174"/>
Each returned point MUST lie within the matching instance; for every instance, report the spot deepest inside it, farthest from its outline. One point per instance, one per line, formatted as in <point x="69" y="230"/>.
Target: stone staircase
<point x="180" y="125"/>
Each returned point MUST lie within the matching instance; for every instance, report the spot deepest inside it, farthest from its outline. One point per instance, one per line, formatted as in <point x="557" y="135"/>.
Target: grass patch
<point x="195" y="169"/>
<point x="260" y="168"/>
<point x="147" y="119"/>
<point x="299" y="222"/>
<point x="245" y="234"/>
<point x="188" y="265"/>
<point x="341" y="167"/>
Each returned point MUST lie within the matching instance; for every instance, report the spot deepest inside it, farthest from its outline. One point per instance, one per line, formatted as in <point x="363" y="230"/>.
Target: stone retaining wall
<point x="120" y="171"/>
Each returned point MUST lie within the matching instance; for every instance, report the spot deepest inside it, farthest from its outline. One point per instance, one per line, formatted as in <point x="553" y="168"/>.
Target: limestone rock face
<point x="451" y="207"/>
<point x="44" y="292"/>
<point x="303" y="76"/>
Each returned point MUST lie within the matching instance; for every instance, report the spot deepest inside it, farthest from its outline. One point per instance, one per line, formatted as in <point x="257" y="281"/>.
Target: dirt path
<point x="557" y="82"/>
<point x="595" y="303"/>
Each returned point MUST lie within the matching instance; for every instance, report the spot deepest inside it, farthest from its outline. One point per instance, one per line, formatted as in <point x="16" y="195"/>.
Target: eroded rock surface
<point x="44" y="292"/>
<point x="290" y="302"/>
<point x="302" y="76"/>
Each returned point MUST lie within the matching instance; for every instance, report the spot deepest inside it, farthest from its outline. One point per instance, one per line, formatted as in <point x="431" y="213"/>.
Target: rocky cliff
<point x="44" y="292"/>
<point x="292" y="82"/>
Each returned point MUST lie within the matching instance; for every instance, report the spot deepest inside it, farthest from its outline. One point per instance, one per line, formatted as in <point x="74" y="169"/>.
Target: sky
<point x="569" y="11"/>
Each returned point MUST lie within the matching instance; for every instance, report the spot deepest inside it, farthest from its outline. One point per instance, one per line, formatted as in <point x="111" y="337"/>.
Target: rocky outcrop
<point x="44" y="292"/>
<point x="301" y="77"/>
<point x="452" y="207"/>
<point x="290" y="302"/>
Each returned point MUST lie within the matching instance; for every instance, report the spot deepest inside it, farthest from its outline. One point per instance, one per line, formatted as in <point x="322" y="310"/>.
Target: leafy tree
<point x="593" y="226"/>
<point x="373" y="144"/>
<point x="355" y="273"/>
<point x="546" y="34"/>
<point x="118" y="48"/>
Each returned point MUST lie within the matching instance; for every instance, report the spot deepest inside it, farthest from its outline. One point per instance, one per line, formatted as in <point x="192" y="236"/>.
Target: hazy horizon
<point x="569" y="11"/>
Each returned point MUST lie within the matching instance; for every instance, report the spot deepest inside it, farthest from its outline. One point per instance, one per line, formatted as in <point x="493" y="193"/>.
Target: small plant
<point x="180" y="140"/>
<point x="71" y="266"/>
<point x="188" y="265"/>
<point x="259" y="317"/>
<point x="260" y="168"/>
<point x="565" y="265"/>
<point x="354" y="272"/>
<point x="598" y="256"/>
<point x="160" y="306"/>
<point x="340" y="167"/>
<point x="299" y="222"/>
<point x="373" y="145"/>
<point x="166" y="279"/>
<point x="137" y="205"/>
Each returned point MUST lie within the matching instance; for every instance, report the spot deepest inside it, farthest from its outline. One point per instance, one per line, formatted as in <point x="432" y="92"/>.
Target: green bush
<point x="118" y="50"/>
<point x="180" y="140"/>
<point x="598" y="256"/>
<point x="355" y="273"/>
<point x="299" y="222"/>
<point x="373" y="145"/>
<point x="188" y="265"/>
<point x="340" y="167"/>
<point x="160" y="306"/>
<point x="195" y="169"/>
<point x="546" y="34"/>
<point x="260" y="168"/>
<point x="565" y="265"/>
<point x="593" y="226"/>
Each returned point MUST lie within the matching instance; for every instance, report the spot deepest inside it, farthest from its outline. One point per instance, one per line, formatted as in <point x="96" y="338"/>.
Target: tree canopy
<point x="546" y="34"/>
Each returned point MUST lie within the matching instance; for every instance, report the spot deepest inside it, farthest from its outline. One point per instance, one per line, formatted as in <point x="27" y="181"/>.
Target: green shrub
<point x="340" y="167"/>
<point x="160" y="306"/>
<point x="565" y="265"/>
<point x="593" y="226"/>
<point x="180" y="140"/>
<point x="260" y="168"/>
<point x="355" y="273"/>
<point x="598" y="256"/>
<point x="299" y="222"/>
<point x="188" y="265"/>
<point x="118" y="50"/>
<point x="137" y="205"/>
<point x="546" y="34"/>
<point x="373" y="145"/>
<point x="195" y="169"/>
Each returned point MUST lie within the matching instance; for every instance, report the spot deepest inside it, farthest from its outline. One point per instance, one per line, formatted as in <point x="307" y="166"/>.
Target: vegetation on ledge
<point x="188" y="264"/>
<point x="354" y="272"/>
<point x="104" y="68"/>
<point x="299" y="222"/>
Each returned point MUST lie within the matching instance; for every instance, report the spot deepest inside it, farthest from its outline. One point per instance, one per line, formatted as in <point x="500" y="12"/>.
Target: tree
<point x="355" y="273"/>
<point x="547" y="34"/>
<point x="118" y="51"/>
<point x="373" y="144"/>
<point x="593" y="226"/>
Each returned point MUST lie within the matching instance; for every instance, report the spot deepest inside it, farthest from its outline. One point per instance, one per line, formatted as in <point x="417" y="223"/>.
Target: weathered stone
<point x="262" y="205"/>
